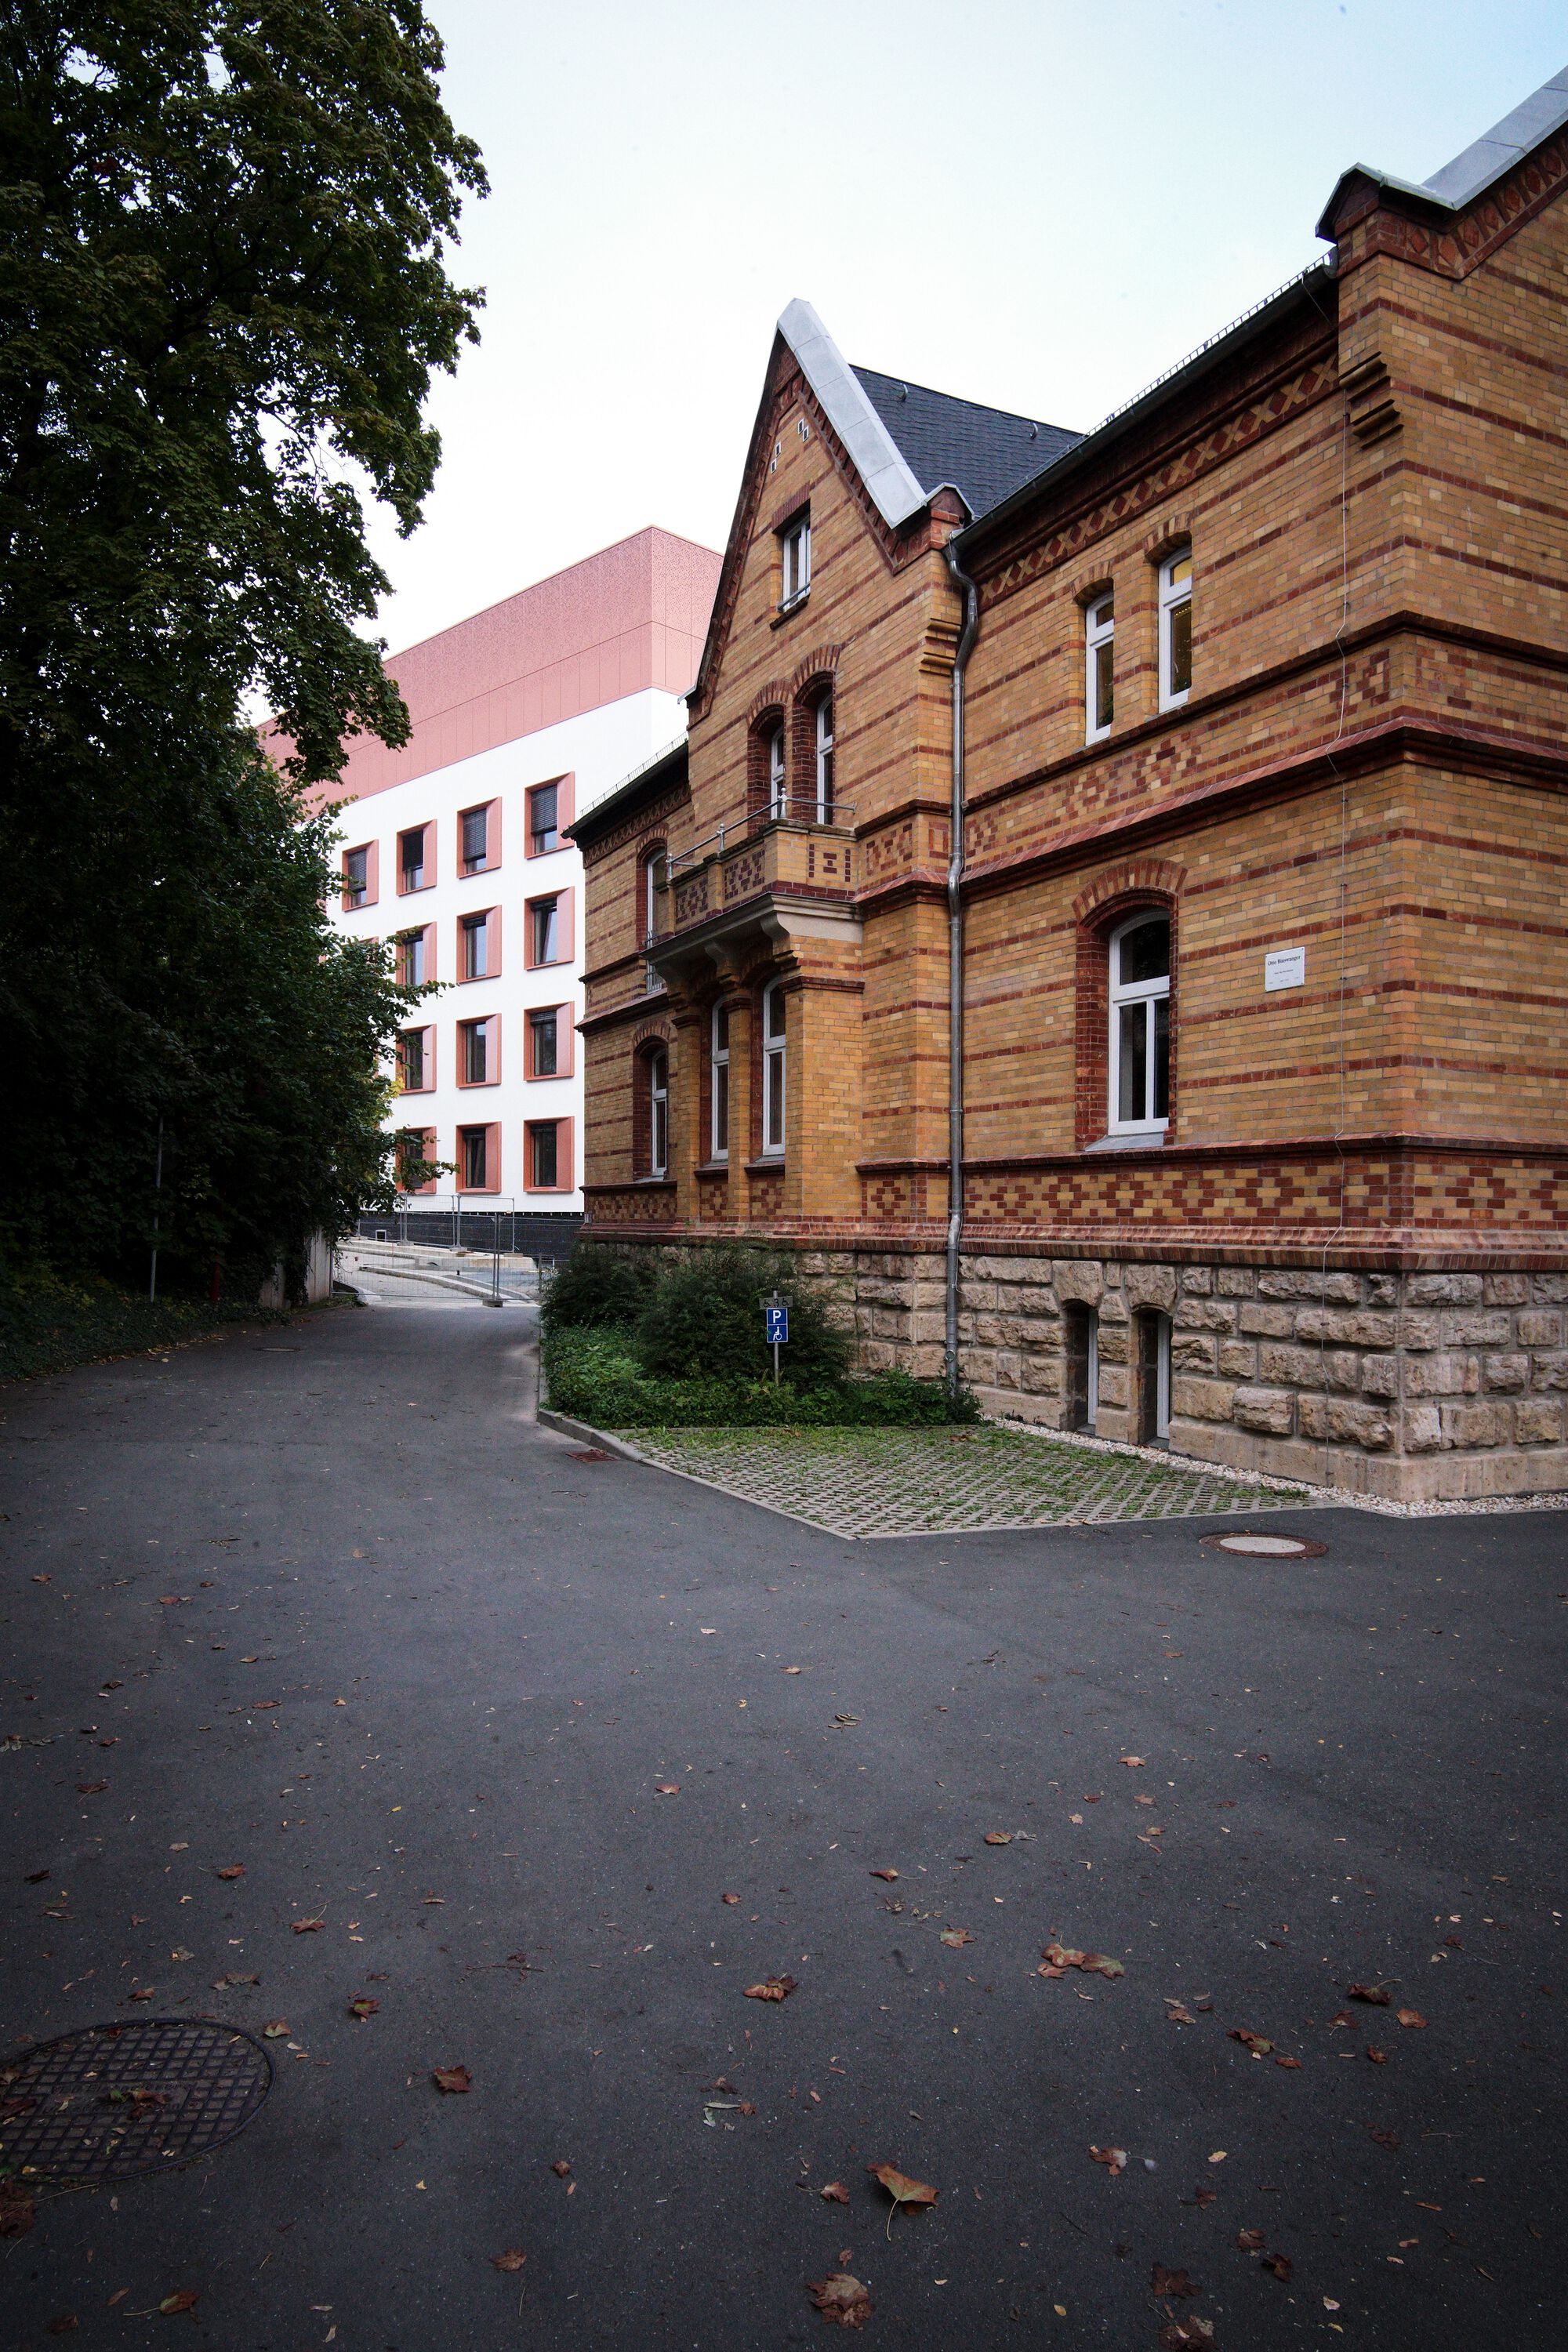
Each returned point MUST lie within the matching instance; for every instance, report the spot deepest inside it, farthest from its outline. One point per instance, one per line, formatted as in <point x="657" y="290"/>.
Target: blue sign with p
<point x="776" y="1320"/>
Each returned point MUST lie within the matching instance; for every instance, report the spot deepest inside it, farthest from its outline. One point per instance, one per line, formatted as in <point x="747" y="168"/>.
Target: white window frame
<point x="659" y="1111"/>
<point x="719" y="1090"/>
<point x="1174" y="594"/>
<point x="1137" y="992"/>
<point x="775" y="1060"/>
<point x="823" y="729"/>
<point x="778" y="772"/>
<point x="1099" y="631"/>
<point x="794" y="555"/>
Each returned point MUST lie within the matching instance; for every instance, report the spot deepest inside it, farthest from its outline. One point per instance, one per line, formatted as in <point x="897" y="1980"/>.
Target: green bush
<point x="597" y="1287"/>
<point x="705" y="1321"/>
<point x="597" y="1376"/>
<point x="48" y="1324"/>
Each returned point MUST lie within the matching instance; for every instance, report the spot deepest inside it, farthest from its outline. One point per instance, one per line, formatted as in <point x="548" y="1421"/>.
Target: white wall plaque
<point x="1285" y="968"/>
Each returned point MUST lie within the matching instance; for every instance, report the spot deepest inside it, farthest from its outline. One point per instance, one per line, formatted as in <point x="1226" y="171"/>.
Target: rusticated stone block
<point x="1080" y="1279"/>
<point x="1113" y="1383"/>
<point x="1548" y="1289"/>
<point x="1234" y="1281"/>
<point x="1205" y="1315"/>
<point x="1270" y="1412"/>
<point x="1201" y="1400"/>
<point x="1350" y="1326"/>
<point x="1539" y="1327"/>
<point x="1343" y="1421"/>
<point x="1268" y="1322"/>
<point x="1238" y="1358"/>
<point x="1441" y="1375"/>
<point x="1043" y="1375"/>
<point x="1298" y="1367"/>
<point x="1197" y="1281"/>
<point x="1418" y="1331"/>
<point x="1380" y="1375"/>
<point x="1342" y="1289"/>
<point x="1421" y="1429"/>
<point x="1511" y="1373"/>
<point x="1476" y="1331"/>
<point x="1550" y="1372"/>
<point x="1192" y="1352"/>
<point x="1477" y="1424"/>
<point x="1444" y="1290"/>
<point x="1277" y="1283"/>
<point x="1505" y="1289"/>
<point x="1150" y="1285"/>
<point x="1538" y="1421"/>
<point x="1383" y="1290"/>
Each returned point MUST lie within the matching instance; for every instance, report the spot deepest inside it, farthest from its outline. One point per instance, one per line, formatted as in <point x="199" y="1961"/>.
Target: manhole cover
<point x="139" y="2097"/>
<point x="1265" y="1547"/>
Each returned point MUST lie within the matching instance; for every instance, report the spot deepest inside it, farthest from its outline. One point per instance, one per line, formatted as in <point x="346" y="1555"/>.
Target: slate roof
<point x="984" y="453"/>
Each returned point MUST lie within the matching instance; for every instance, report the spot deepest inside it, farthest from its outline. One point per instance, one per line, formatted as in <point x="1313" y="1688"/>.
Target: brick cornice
<point x="1371" y="219"/>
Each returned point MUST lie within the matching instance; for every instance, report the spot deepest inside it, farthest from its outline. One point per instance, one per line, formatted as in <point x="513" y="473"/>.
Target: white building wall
<point x="596" y="750"/>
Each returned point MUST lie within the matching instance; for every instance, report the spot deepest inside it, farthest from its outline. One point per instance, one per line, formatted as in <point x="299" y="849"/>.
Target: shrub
<point x="593" y="1375"/>
<point x="705" y="1321"/>
<point x="48" y="1323"/>
<point x="595" y="1288"/>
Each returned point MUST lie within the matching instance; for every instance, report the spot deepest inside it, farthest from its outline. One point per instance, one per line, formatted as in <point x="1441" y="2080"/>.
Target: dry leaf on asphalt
<point x="1377" y="1994"/>
<point x="1177" y="2013"/>
<point x="1188" y="2335"/>
<point x="667" y="1787"/>
<point x="1173" y="2283"/>
<point x="770" y="1989"/>
<point x="232" y="1870"/>
<point x="998" y="1837"/>
<point x="233" y="1977"/>
<point x="888" y="1874"/>
<point x="1294" y="2064"/>
<point x="834" y="2192"/>
<point x="363" y="2006"/>
<point x="1377" y="2057"/>
<point x="276" y="2029"/>
<point x="1113" y="2159"/>
<point x="18" y="2210"/>
<point x="185" y="2300"/>
<point x="1256" y="2043"/>
<point x="729" y="1898"/>
<point x="64" y="2322"/>
<point x="513" y="2260"/>
<point x="1387" y="2139"/>
<point x="901" y="2190"/>
<point x="1279" y="2264"/>
<point x="842" y="2300"/>
<point x="1135" y="1761"/>
<point x="956" y="1937"/>
<point x="561" y="2168"/>
<point x="1057" y="1958"/>
<point x="847" y="1719"/>
<point x="90" y="1788"/>
<point x="1410" y="2016"/>
<point x="1251" y="2241"/>
<point x="306" y="1927"/>
<point x="451" y="2078"/>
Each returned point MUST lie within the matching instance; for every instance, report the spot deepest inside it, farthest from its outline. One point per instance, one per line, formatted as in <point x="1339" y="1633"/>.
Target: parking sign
<point x="776" y="1322"/>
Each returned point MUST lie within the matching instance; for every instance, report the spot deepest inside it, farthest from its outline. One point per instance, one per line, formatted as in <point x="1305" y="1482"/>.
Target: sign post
<point x="775" y="1328"/>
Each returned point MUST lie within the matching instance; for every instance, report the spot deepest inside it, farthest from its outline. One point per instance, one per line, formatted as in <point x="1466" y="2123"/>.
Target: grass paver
<point x="891" y="1482"/>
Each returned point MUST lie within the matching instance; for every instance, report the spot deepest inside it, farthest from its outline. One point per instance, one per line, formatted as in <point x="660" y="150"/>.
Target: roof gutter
<point x="967" y="635"/>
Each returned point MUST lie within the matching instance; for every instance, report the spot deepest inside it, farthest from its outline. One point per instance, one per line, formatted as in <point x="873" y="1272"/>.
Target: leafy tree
<point x="223" y="292"/>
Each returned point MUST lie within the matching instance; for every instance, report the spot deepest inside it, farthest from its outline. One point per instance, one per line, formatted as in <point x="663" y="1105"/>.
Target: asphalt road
<point x="486" y="1655"/>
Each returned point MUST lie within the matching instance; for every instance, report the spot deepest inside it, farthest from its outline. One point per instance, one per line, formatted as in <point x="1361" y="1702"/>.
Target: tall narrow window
<point x="794" y="551"/>
<point x="543" y="1155"/>
<point x="413" y="1061"/>
<point x="356" y="876"/>
<point x="825" y="760"/>
<point x="543" y="820"/>
<point x="1080" y="1402"/>
<point x="544" y="1041"/>
<point x="1175" y="628"/>
<point x="474" y="943"/>
<point x="1153" y="1375"/>
<point x="720" y="1136"/>
<point x="474" y="1156"/>
<point x="778" y="783"/>
<point x="544" y="930"/>
<point x="414" y="958"/>
<point x="476" y="828"/>
<point x="1139" y="1040"/>
<point x="647" y="914"/>
<point x="774" y="1069"/>
<point x="1099" y="668"/>
<point x="411" y="858"/>
<point x="658" y="1112"/>
<point x="475" y="1052"/>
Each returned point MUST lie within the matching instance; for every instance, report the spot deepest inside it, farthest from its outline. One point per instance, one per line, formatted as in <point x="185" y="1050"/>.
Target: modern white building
<point x="452" y="847"/>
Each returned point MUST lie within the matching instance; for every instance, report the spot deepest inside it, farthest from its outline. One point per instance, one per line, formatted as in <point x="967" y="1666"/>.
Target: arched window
<point x="659" y="1111"/>
<point x="650" y="869"/>
<point x="778" y="781"/>
<point x="719" y="1138"/>
<point x="1140" y="1040"/>
<point x="773" y="1069"/>
<point x="1175" y="628"/>
<point x="823" y="759"/>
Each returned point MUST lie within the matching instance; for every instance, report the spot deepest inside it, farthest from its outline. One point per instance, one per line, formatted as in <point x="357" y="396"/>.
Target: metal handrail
<point x="757" y="821"/>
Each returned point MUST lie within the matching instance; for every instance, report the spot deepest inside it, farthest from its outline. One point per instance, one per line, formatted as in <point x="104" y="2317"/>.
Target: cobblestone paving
<point x="888" y="1482"/>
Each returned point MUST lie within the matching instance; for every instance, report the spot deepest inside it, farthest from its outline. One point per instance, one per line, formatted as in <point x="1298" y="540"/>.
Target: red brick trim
<point x="1144" y="877"/>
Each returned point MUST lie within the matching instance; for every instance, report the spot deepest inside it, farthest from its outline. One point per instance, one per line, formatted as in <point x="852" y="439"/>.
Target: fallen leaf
<point x="1377" y="1994"/>
<point x="513" y="2260"/>
<point x="63" y="2323"/>
<point x="1255" y="2043"/>
<point x="956" y="1937"/>
<point x="770" y="1989"/>
<point x="790" y="1670"/>
<point x="842" y="2300"/>
<point x="1206" y="2196"/>
<point x="1251" y="2241"/>
<point x="561" y="2168"/>
<point x="233" y="1977"/>
<point x="1387" y="2139"/>
<point x="729" y="1898"/>
<point x="36" y="1877"/>
<point x="263" y="1705"/>
<point x="1279" y="2264"/>
<point x="1134" y="1762"/>
<point x="1177" y="2013"/>
<point x="1377" y="2057"/>
<point x="998" y="1837"/>
<point x="143" y="1992"/>
<point x="667" y="1787"/>
<point x="277" y="2028"/>
<point x="232" y="1870"/>
<point x="1192" y="2334"/>
<point x="1293" y="2064"/>
<point x="1059" y="1957"/>
<point x="888" y="1874"/>
<point x="1174" y="2283"/>
<point x="18" y="2210"/>
<point x="90" y="1788"/>
<point x="306" y="1927"/>
<point x="1219" y="2156"/>
<point x="1113" y="2159"/>
<point x="185" y="2300"/>
<point x="363" y="2006"/>
<point x="1410" y="2016"/>
<point x="901" y="2190"/>
<point x="834" y="2194"/>
<point x="847" y="1718"/>
<point x="451" y="2078"/>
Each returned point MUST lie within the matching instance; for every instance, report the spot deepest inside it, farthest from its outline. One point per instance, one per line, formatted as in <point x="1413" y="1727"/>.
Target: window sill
<point x="1149" y="1139"/>
<point x="770" y="1163"/>
<point x="711" y="1167"/>
<point x="787" y="612"/>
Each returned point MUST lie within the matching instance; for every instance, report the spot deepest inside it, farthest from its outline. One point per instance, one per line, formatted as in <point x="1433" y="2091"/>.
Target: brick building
<point x="1251" y="703"/>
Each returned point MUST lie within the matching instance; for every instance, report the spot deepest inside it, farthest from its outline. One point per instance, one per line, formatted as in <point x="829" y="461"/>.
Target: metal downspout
<point x="970" y="630"/>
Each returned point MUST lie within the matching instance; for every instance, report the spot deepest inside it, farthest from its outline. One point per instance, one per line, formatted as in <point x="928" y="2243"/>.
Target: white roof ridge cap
<point x="878" y="460"/>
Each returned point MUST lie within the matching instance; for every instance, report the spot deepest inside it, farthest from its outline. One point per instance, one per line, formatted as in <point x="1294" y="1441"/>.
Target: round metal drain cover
<point x="140" y="2097"/>
<point x="1265" y="1547"/>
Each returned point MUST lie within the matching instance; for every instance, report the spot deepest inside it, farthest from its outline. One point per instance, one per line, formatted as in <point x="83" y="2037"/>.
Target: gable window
<point x="543" y="820"/>
<point x="795" y="553"/>
<point x="474" y="1158"/>
<point x="778" y="781"/>
<point x="719" y="1137"/>
<point x="658" y="1112"/>
<point x="356" y="876"/>
<point x="1175" y="628"/>
<point x="544" y="930"/>
<point x="544" y="1041"/>
<point x="773" y="1069"/>
<point x="475" y="959"/>
<point x="411" y="869"/>
<point x="1099" y="668"/>
<point x="415" y="958"/>
<point x="1140" y="1040"/>
<point x="416" y="1062"/>
<point x="475" y="826"/>
<point x="478" y="1060"/>
<point x="823" y="749"/>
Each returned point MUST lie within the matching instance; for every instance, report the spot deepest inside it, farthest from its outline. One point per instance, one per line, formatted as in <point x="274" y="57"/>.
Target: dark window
<point x="411" y="1060"/>
<point x="413" y="1152"/>
<point x="1080" y="1401"/>
<point x="544" y="1152"/>
<point x="543" y="809"/>
<point x="476" y="945"/>
<point x="411" y="957"/>
<point x="411" y="856"/>
<point x="544" y="924"/>
<point x="476" y="840"/>
<point x="356" y="876"/>
<point x="474" y="1142"/>
<point x="1153" y="1374"/>
<point x="474" y="1038"/>
<point x="545" y="1038"/>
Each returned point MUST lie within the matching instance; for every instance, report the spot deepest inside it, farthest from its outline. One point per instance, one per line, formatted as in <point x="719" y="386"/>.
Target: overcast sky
<point x="1037" y="204"/>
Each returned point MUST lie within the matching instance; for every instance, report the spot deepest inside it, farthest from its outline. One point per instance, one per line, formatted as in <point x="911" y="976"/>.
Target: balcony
<point x="756" y="867"/>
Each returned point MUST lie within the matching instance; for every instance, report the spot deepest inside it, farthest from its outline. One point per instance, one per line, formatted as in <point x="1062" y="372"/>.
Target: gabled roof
<point x="1486" y="160"/>
<point x="908" y="442"/>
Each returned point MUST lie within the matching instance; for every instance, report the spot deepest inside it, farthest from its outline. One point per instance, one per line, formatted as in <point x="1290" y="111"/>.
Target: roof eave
<point x="878" y="459"/>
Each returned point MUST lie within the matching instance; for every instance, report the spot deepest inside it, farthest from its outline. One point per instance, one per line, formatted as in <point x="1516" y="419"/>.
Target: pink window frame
<point x="371" y="876"/>
<point x="428" y="1087"/>
<point x="432" y="832"/>
<point x="491" y="1020"/>
<point x="567" y="897"/>
<point x="565" y="809"/>
<point x="565" y="1157"/>
<point x="429" y="931"/>
<point x="426" y="1151"/>
<point x="491" y="1129"/>
<point x="492" y="948"/>
<point x="566" y="1043"/>
<point x="492" y="841"/>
